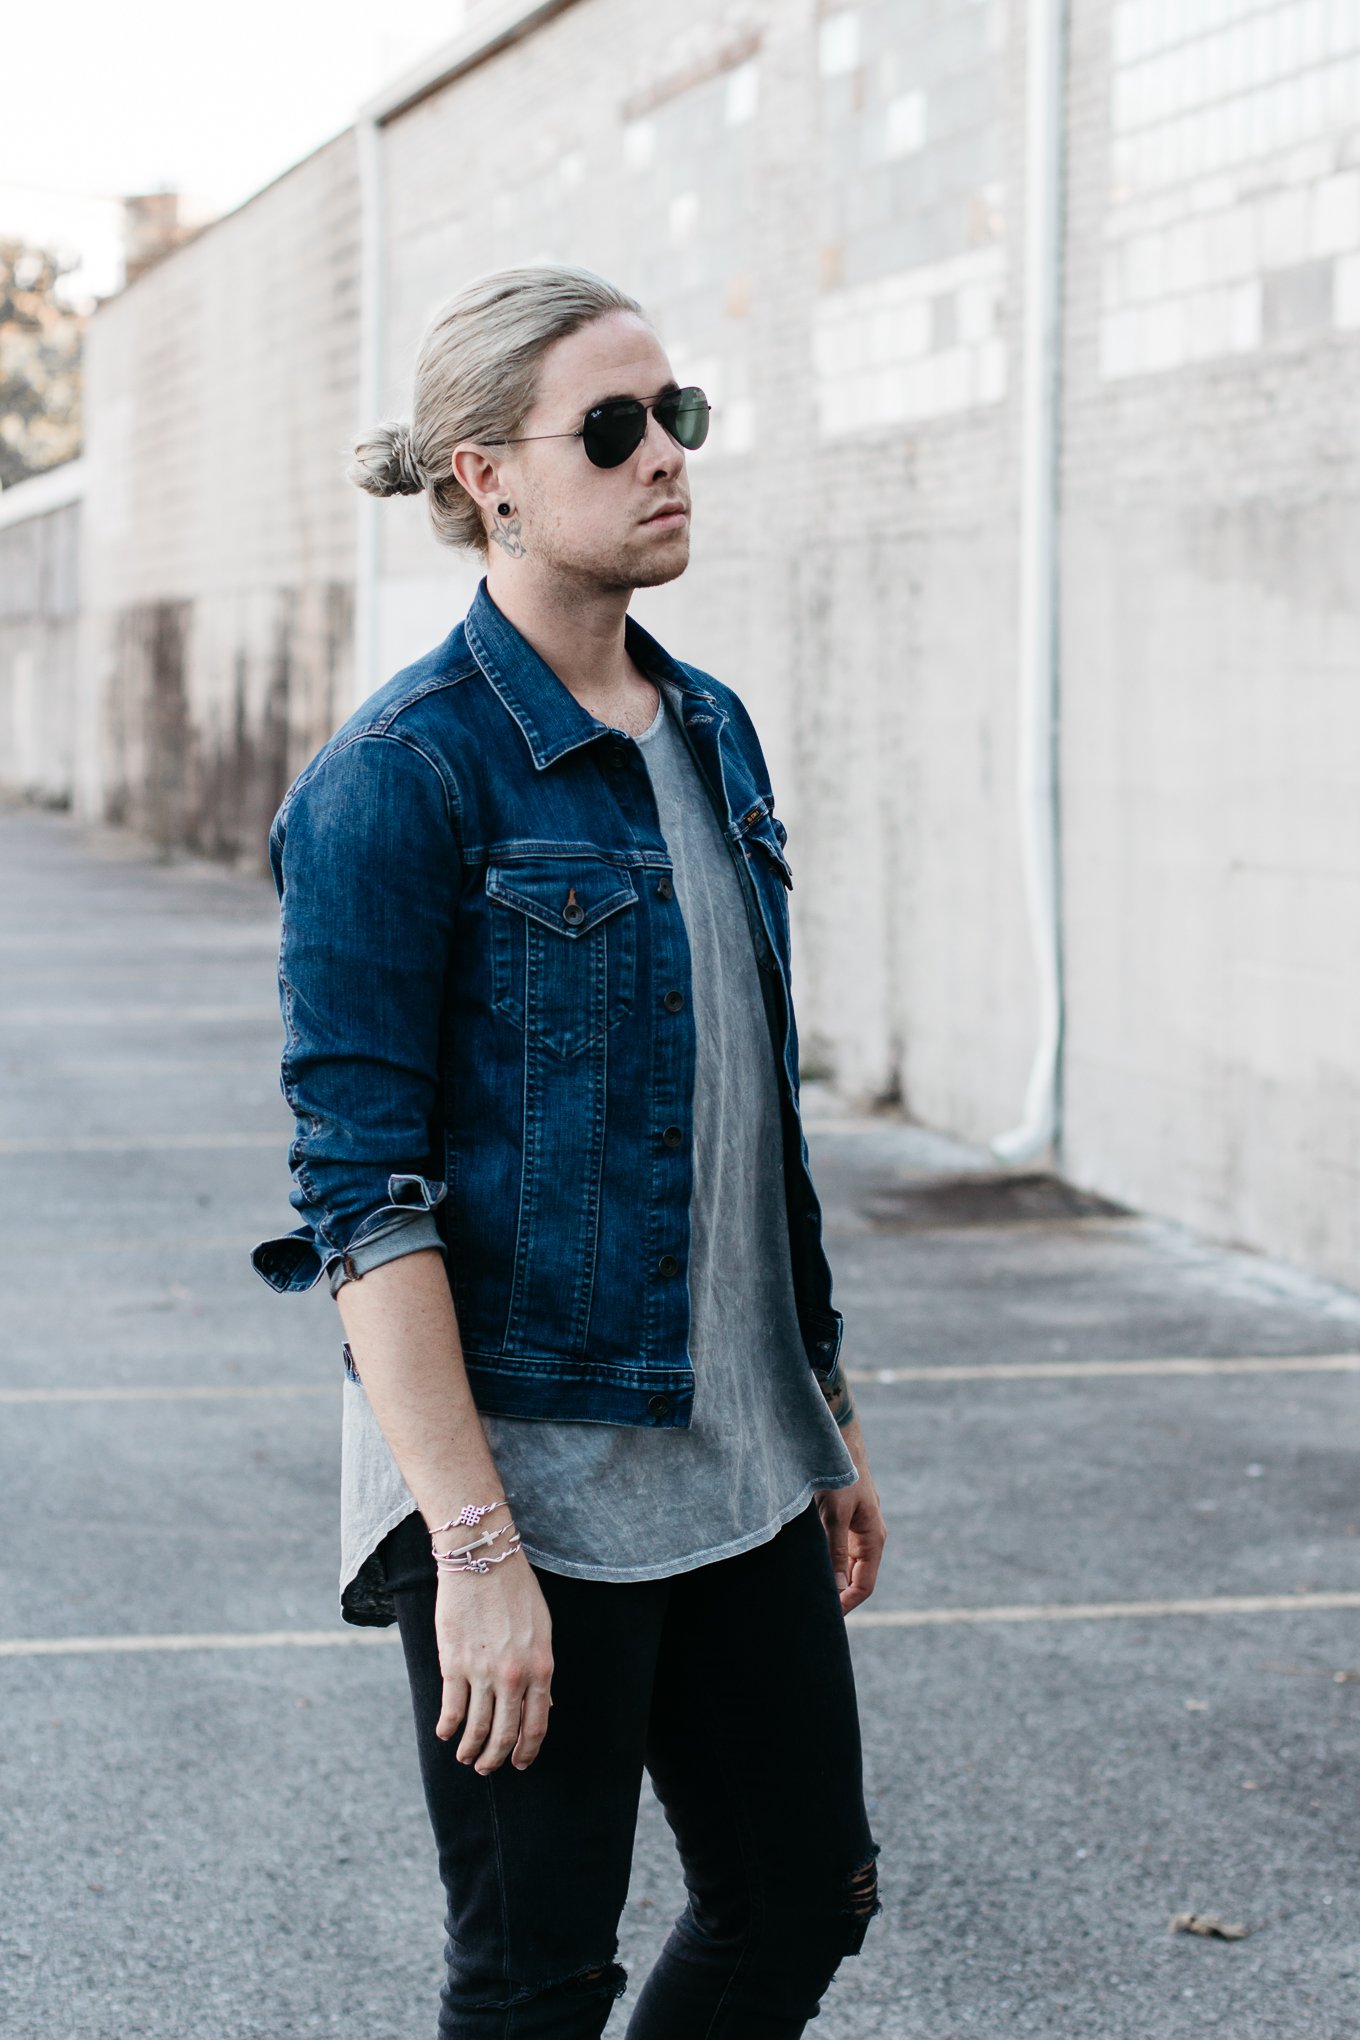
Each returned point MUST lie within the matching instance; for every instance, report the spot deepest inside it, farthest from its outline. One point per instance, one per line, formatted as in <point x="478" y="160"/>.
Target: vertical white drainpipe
<point x="1038" y="612"/>
<point x="368" y="143"/>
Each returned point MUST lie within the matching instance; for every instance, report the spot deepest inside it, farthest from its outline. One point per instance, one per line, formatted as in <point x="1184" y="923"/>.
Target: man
<point x="541" y="1052"/>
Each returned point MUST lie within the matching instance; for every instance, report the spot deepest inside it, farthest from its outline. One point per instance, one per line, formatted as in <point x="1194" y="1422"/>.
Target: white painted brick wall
<point x="855" y="506"/>
<point x="220" y="399"/>
<point x="825" y="228"/>
<point x="1233" y="132"/>
<point x="1211" y="621"/>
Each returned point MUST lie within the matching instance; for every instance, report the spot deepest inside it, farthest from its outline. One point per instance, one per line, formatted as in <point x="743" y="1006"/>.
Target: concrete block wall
<point x="1211" y="619"/>
<point x="219" y="539"/>
<point x="40" y="539"/>
<point x="815" y="203"/>
<point x="819" y="201"/>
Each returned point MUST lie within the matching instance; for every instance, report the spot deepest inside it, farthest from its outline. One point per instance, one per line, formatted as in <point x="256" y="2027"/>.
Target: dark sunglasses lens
<point x="613" y="431"/>
<point x="685" y="416"/>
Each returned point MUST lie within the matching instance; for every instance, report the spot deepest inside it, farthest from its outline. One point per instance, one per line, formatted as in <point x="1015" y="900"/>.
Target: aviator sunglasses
<point x="617" y="427"/>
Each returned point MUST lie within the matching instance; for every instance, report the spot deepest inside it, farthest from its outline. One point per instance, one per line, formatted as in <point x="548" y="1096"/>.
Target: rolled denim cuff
<point x="407" y="1233"/>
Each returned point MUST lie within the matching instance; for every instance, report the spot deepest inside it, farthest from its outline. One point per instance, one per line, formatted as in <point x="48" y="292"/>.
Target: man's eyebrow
<point x="669" y="389"/>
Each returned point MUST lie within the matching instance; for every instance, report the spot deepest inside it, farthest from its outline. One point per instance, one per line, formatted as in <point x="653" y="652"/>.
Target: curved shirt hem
<point x="368" y="1605"/>
<point x="578" y="1570"/>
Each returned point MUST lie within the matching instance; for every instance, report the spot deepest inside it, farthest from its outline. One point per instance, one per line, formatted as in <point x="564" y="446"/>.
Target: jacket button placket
<point x="671" y="1060"/>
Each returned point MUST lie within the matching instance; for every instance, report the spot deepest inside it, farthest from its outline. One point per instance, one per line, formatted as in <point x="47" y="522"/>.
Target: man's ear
<point x="479" y="475"/>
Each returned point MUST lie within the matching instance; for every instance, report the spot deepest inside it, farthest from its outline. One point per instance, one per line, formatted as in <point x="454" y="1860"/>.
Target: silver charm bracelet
<point x="480" y="1564"/>
<point x="487" y="1537"/>
<point x="459" y="1558"/>
<point x="470" y="1514"/>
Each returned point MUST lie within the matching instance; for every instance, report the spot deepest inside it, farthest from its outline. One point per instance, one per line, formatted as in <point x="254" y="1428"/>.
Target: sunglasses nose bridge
<point x="659" y="437"/>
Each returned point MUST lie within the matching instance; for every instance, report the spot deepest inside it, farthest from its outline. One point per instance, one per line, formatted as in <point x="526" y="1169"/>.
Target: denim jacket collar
<point x="550" y="717"/>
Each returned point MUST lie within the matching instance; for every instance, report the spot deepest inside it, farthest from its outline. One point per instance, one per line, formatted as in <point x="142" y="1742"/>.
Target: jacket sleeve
<point x="366" y="862"/>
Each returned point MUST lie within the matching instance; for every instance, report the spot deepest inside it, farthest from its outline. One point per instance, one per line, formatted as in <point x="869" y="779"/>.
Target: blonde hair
<point x="476" y="375"/>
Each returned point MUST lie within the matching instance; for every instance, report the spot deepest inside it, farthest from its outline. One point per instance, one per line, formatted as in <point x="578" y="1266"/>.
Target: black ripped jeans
<point x="732" y="1685"/>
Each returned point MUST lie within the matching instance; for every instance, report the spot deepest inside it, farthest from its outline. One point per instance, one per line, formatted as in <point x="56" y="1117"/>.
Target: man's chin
<point x="649" y="565"/>
<point x="658" y="564"/>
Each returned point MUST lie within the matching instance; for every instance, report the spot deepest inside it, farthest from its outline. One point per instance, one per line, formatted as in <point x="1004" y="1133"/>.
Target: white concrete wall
<point x="814" y="205"/>
<point x="1211" y="620"/>
<point x="819" y="203"/>
<point x="40" y="525"/>
<point x="219" y="544"/>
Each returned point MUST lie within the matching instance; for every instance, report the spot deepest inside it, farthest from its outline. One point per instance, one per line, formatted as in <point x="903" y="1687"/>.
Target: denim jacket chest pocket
<point x="563" y="948"/>
<point x="774" y="858"/>
<point x="762" y="828"/>
<point x="763" y="837"/>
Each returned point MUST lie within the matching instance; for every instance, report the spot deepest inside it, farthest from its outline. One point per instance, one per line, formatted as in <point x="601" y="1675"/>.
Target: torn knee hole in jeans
<point x="584" y="1982"/>
<point x="863" y="1901"/>
<point x="606" y="1975"/>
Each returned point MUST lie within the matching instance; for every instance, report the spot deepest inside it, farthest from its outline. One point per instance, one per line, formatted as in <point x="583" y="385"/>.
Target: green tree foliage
<point x="40" y="354"/>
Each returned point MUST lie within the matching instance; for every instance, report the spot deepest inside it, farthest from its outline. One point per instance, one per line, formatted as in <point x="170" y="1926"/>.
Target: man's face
<point x="601" y="525"/>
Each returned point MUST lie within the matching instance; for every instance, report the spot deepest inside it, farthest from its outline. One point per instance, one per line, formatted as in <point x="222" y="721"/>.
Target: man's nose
<point x="661" y="454"/>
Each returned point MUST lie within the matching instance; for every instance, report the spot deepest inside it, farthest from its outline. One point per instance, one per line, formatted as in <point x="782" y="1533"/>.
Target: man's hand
<point x="495" y="1651"/>
<point x="853" y="1521"/>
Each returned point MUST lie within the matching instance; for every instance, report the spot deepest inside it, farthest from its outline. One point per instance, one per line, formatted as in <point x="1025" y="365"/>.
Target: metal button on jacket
<point x="658" y="1405"/>
<point x="672" y="1136"/>
<point x="673" y="1001"/>
<point x="664" y="888"/>
<point x="668" y="1265"/>
<point x="573" y="912"/>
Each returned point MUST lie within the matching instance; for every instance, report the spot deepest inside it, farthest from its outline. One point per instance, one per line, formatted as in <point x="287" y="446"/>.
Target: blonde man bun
<point x="476" y="373"/>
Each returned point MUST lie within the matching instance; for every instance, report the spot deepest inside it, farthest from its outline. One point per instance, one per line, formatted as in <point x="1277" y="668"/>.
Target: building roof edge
<point x="493" y="32"/>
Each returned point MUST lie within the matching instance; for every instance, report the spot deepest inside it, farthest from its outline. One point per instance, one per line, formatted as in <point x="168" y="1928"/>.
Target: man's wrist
<point x="839" y="1400"/>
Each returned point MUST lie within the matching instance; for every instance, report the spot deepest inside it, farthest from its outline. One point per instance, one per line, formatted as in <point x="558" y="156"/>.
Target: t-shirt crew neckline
<point x="656" y="720"/>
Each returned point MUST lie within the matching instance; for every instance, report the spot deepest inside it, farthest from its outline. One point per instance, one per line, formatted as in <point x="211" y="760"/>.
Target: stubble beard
<point x="650" y="565"/>
<point x="636" y="564"/>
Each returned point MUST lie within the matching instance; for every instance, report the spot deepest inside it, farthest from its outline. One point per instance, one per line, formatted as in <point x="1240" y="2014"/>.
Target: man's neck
<point x="579" y="633"/>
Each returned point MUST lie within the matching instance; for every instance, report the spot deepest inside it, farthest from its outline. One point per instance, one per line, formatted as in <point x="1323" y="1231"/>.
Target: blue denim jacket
<point x="484" y="978"/>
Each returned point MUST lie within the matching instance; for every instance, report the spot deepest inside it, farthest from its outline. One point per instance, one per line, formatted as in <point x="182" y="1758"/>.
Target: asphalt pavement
<point x="1111" y="1673"/>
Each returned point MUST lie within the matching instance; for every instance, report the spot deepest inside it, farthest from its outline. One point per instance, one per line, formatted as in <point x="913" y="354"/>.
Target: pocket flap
<point x="770" y="845"/>
<point x="570" y="895"/>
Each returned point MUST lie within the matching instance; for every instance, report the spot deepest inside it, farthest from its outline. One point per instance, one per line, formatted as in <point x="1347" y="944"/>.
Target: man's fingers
<point x="453" y="1707"/>
<point x="533" y="1727"/>
<point x="478" y="1725"/>
<point x="864" y="1570"/>
<point x="863" y="1580"/>
<point x="504" y="1730"/>
<point x="838" y="1544"/>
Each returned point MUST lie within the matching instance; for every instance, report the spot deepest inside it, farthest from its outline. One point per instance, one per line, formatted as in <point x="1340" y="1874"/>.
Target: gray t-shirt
<point x="627" y="1502"/>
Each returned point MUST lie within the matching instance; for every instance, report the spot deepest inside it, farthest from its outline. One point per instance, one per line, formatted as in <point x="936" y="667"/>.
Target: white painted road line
<point x="133" y="1143"/>
<point x="229" y="1392"/>
<point x="113" y="1016"/>
<point x="861" y="1618"/>
<point x="264" y="1639"/>
<point x="1098" y="1611"/>
<point x="1042" y="1370"/>
<point x="148" y="1244"/>
<point x="1081" y="1370"/>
